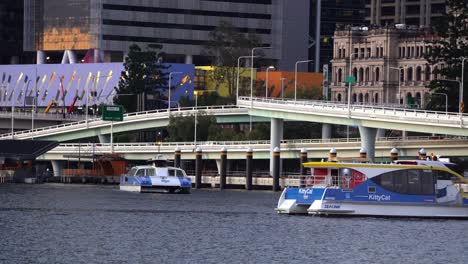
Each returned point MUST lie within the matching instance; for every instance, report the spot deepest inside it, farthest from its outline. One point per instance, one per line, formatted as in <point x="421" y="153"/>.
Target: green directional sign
<point x="112" y="113"/>
<point x="350" y="79"/>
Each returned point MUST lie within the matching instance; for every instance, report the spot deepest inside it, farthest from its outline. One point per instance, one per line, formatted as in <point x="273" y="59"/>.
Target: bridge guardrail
<point x="96" y="122"/>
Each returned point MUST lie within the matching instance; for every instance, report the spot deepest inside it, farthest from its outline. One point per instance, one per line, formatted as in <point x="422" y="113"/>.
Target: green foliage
<point x="306" y="92"/>
<point x="181" y="128"/>
<point x="301" y="130"/>
<point x="143" y="74"/>
<point x="450" y="46"/>
<point x="225" y="45"/>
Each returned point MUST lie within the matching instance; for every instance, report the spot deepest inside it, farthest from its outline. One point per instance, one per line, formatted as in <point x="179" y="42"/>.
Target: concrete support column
<point x="303" y="159"/>
<point x="222" y="174"/>
<point x="104" y="138"/>
<point x="40" y="57"/>
<point x="71" y="56"/>
<point x="65" y="59"/>
<point x="188" y="59"/>
<point x="276" y="135"/>
<point x="14" y="60"/>
<point x="97" y="55"/>
<point x="177" y="155"/>
<point x="57" y="167"/>
<point x="248" y="169"/>
<point x="326" y="131"/>
<point x="198" y="168"/>
<point x="368" y="136"/>
<point x="276" y="169"/>
<point x="380" y="133"/>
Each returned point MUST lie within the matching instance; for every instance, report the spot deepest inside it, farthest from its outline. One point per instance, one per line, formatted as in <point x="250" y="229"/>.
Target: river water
<point x="54" y="223"/>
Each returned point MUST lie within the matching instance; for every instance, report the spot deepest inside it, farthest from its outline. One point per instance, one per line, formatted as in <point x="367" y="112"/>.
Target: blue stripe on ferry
<point x="185" y="182"/>
<point x="465" y="201"/>
<point x="304" y="195"/>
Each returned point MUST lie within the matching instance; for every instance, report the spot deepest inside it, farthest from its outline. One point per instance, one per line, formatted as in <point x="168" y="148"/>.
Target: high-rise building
<point x="333" y="13"/>
<point x="109" y="27"/>
<point x="409" y="12"/>
<point x="11" y="32"/>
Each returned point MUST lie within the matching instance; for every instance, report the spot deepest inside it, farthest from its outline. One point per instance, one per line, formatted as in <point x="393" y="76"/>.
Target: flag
<point x="61" y="87"/>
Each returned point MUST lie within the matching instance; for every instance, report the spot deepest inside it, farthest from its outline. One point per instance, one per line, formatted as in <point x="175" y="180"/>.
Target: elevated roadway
<point x="131" y="122"/>
<point x="317" y="148"/>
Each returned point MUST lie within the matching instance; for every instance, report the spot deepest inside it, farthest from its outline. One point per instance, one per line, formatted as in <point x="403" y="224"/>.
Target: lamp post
<point x="169" y="88"/>
<point x="461" y="86"/>
<point x="266" y="80"/>
<point x="87" y="96"/>
<point x="238" y="69"/>
<point x="282" y="87"/>
<point x="251" y="81"/>
<point x="460" y="83"/>
<point x="295" y="76"/>
<point x="349" y="83"/>
<point x="399" y="82"/>
<point x="446" y="101"/>
<point x="195" y="127"/>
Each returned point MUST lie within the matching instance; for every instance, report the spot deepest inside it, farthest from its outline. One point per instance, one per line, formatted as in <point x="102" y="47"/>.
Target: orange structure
<point x="305" y="80"/>
<point x="105" y="165"/>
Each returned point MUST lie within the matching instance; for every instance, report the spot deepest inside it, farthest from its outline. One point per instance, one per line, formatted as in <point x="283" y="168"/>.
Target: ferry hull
<point x="387" y="210"/>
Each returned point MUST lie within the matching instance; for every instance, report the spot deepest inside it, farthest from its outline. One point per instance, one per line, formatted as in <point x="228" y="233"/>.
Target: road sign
<point x="350" y="79"/>
<point x="112" y="113"/>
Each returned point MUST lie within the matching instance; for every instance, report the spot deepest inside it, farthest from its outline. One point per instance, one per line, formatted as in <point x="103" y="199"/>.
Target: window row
<point x="360" y="53"/>
<point x="413" y="52"/>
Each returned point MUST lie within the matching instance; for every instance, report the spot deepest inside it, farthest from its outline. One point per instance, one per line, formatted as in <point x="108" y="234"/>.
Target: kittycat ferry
<point x="424" y="187"/>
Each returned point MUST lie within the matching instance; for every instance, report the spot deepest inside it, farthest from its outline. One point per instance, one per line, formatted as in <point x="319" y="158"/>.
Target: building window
<point x="361" y="98"/>
<point x="354" y="98"/>
<point x="355" y="73"/>
<point x="427" y="72"/>
<point x="361" y="74"/>
<point x="376" y="98"/>
<point x="367" y="74"/>
<point x="340" y="75"/>
<point x="418" y="73"/>
<point x="377" y="74"/>
<point x="338" y="97"/>
<point x="402" y="75"/>
<point x="366" y="98"/>
<point x="409" y="74"/>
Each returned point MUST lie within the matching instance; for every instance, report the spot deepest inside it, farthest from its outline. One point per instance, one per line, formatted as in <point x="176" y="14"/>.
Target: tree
<point x="449" y="47"/>
<point x="143" y="75"/>
<point x="225" y="45"/>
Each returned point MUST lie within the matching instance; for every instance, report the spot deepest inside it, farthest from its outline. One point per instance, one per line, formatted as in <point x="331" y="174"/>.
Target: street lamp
<point x="349" y="83"/>
<point x="446" y="101"/>
<point x="251" y="73"/>
<point x="282" y="87"/>
<point x="251" y="81"/>
<point x="399" y="81"/>
<point x="460" y="83"/>
<point x="295" y="76"/>
<point x="195" y="127"/>
<point x="87" y="96"/>
<point x="238" y="69"/>
<point x="266" y="80"/>
<point x="169" y="95"/>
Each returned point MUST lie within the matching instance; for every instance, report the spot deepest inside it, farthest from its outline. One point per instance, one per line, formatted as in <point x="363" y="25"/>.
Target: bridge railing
<point x="338" y="105"/>
<point x="96" y="121"/>
<point x="106" y="147"/>
<point x="369" y="111"/>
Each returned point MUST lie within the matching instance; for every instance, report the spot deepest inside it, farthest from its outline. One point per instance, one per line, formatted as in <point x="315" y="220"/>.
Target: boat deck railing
<point x="329" y="181"/>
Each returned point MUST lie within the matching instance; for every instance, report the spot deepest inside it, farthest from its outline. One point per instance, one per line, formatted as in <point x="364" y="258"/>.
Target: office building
<point x="109" y="27"/>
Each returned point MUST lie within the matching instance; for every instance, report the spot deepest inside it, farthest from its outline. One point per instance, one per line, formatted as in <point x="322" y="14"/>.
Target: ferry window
<point x="444" y="175"/>
<point x="427" y="182"/>
<point x="150" y="172"/>
<point x="386" y="181"/>
<point x="456" y="168"/>
<point x="140" y="173"/>
<point x="170" y="172"/>
<point x="414" y="182"/>
<point x="399" y="182"/>
<point x="179" y="173"/>
<point x="132" y="171"/>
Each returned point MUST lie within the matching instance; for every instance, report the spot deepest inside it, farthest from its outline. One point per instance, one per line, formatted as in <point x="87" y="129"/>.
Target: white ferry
<point x="403" y="188"/>
<point x="157" y="177"/>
